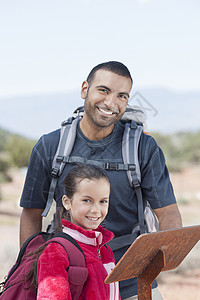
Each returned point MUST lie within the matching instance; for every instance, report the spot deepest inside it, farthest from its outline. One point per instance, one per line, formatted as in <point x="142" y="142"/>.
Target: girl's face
<point x="89" y="205"/>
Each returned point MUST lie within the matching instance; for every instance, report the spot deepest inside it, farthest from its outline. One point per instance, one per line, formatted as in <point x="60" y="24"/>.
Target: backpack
<point x="134" y="120"/>
<point x="16" y="287"/>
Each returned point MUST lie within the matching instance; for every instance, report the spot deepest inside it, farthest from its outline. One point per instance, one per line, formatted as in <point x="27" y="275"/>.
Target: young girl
<point x="85" y="205"/>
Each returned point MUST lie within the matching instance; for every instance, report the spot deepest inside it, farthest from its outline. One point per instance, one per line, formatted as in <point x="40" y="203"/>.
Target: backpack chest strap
<point x="109" y="166"/>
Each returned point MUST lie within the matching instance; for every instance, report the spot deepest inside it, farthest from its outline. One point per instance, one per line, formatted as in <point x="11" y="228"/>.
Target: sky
<point x="49" y="46"/>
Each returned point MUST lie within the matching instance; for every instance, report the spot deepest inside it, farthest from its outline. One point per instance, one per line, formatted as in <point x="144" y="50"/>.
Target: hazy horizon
<point x="166" y="111"/>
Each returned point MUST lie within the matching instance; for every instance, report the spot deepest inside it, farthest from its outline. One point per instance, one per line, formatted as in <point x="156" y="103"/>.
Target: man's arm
<point x="30" y="223"/>
<point x="169" y="217"/>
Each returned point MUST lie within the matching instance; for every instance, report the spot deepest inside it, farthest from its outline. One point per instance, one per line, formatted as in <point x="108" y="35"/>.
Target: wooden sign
<point x="152" y="253"/>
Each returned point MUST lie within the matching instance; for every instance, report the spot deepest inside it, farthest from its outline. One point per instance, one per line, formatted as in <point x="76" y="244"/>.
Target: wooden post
<point x="149" y="274"/>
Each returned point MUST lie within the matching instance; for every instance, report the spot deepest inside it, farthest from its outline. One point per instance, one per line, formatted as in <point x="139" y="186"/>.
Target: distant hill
<point x="176" y="112"/>
<point x="33" y="115"/>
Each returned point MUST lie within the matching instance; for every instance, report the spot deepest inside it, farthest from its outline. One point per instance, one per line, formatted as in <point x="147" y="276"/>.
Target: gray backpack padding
<point x="134" y="126"/>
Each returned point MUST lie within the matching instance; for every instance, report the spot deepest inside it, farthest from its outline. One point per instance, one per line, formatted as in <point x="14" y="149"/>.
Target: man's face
<point x="106" y="98"/>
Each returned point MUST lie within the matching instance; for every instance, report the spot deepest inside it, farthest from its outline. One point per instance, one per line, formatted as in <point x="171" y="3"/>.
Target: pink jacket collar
<point x="97" y="237"/>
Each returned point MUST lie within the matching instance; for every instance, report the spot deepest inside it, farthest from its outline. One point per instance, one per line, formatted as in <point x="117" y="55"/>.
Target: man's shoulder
<point x="48" y="142"/>
<point x="50" y="137"/>
<point x="147" y="138"/>
<point x="147" y="147"/>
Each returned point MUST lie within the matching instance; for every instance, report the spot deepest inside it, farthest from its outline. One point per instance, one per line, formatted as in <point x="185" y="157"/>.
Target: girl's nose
<point x="95" y="208"/>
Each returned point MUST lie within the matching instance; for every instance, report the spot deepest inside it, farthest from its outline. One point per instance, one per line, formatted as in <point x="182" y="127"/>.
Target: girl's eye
<point x="86" y="200"/>
<point x="104" y="201"/>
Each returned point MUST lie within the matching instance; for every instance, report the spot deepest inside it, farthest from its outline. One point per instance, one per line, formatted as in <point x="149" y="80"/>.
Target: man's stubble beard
<point x="90" y="111"/>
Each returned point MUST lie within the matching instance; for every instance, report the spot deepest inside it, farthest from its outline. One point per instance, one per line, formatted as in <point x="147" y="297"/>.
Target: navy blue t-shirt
<point x="122" y="214"/>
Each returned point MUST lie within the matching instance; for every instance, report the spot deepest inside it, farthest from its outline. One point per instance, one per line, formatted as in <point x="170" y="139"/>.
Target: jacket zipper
<point x="99" y="253"/>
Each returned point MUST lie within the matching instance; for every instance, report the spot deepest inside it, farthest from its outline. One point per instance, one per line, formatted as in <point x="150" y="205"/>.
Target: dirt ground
<point x="182" y="283"/>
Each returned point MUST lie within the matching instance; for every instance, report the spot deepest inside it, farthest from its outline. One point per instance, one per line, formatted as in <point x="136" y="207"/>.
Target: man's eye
<point x="124" y="97"/>
<point x="104" y="91"/>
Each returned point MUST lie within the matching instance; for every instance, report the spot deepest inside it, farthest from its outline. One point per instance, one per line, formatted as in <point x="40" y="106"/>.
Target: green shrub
<point x="4" y="136"/>
<point x="4" y="167"/>
<point x="180" y="149"/>
<point x="19" y="149"/>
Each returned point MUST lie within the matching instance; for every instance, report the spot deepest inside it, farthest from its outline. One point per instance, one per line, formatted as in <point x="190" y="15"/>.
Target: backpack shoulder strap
<point x="132" y="133"/>
<point x="131" y="138"/>
<point x="66" y="142"/>
<point x="130" y="143"/>
<point x="77" y="271"/>
<point x="74" y="251"/>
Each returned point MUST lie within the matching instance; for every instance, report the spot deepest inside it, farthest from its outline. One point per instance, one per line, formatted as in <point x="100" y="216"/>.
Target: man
<point x="99" y="137"/>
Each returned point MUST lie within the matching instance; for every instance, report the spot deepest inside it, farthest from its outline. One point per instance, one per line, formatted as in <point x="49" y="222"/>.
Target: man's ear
<point x="66" y="202"/>
<point x="84" y="89"/>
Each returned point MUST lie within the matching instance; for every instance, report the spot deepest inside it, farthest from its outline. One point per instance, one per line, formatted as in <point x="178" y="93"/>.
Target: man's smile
<point x="106" y="111"/>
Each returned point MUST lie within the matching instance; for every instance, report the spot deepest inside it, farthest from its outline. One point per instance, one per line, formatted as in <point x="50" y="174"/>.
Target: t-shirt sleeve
<point x="38" y="178"/>
<point x="155" y="182"/>
<point x="52" y="274"/>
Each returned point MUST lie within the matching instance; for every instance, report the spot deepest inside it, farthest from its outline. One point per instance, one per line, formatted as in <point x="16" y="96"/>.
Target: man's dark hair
<point x="112" y="66"/>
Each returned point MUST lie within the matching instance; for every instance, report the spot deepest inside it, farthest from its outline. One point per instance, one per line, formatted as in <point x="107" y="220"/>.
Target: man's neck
<point x="93" y="132"/>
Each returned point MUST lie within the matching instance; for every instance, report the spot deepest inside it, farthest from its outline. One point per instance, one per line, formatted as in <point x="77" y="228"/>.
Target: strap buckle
<point x="54" y="172"/>
<point x="59" y="158"/>
<point x="111" y="166"/>
<point x="131" y="167"/>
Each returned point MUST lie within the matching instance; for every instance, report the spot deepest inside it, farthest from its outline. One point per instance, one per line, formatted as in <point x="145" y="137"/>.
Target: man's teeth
<point x="105" y="111"/>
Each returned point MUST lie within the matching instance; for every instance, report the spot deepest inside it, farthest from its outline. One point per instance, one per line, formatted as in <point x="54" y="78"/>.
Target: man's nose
<point x="110" y="101"/>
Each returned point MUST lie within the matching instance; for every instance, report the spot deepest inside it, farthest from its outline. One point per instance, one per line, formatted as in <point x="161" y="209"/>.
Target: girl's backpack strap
<point x="77" y="271"/>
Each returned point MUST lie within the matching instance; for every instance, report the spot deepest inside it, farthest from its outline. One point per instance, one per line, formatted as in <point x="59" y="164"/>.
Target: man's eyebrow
<point x="124" y="93"/>
<point x="103" y="87"/>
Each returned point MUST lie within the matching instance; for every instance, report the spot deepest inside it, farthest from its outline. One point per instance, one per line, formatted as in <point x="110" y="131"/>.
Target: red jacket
<point x="53" y="263"/>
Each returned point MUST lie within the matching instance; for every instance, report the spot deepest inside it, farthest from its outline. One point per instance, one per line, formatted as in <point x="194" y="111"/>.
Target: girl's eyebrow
<point x="86" y="196"/>
<point x="105" y="198"/>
